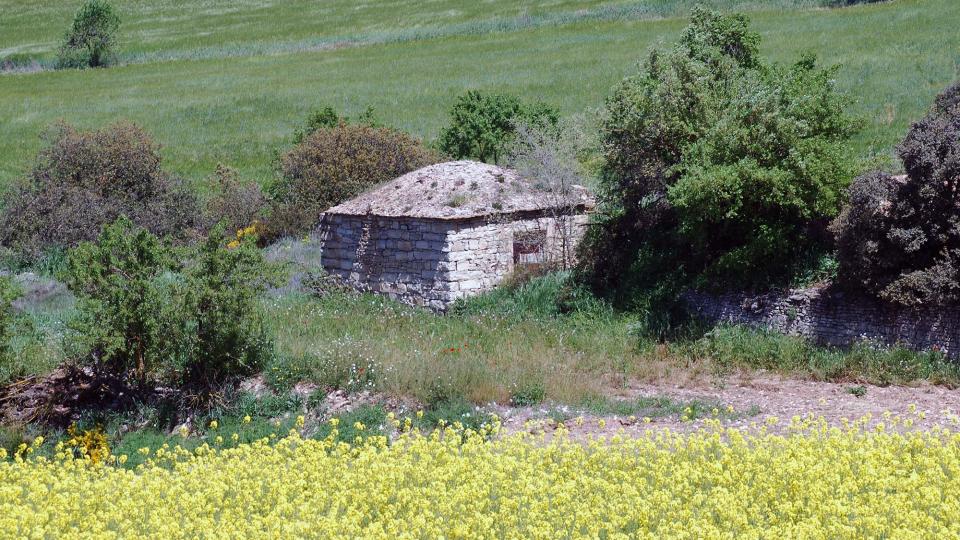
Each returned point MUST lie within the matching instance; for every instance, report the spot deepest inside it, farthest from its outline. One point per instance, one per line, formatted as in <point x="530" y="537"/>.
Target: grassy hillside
<point x="242" y="76"/>
<point x="153" y="29"/>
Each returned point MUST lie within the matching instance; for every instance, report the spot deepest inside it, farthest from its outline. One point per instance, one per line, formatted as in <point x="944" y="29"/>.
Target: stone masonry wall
<point x="405" y="259"/>
<point x="831" y="317"/>
<point x="481" y="250"/>
<point x="429" y="263"/>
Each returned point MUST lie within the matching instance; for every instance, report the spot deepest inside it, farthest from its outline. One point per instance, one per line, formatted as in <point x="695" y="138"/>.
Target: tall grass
<point x="369" y="342"/>
<point x="512" y="346"/>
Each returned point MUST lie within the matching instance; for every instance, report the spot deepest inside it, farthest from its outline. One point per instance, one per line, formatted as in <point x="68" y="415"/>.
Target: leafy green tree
<point x="90" y="40"/>
<point x="720" y="169"/>
<point x="483" y="125"/>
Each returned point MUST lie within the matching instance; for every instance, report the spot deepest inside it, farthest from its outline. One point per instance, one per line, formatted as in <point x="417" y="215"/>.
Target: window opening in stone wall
<point x="529" y="248"/>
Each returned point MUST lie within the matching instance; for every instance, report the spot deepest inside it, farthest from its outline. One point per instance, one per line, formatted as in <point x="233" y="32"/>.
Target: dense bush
<point x="720" y="169"/>
<point x="144" y="312"/>
<point x="90" y="40"/>
<point x="85" y="179"/>
<point x="335" y="164"/>
<point x="899" y="237"/>
<point x="130" y="319"/>
<point x="482" y="125"/>
<point x="224" y="283"/>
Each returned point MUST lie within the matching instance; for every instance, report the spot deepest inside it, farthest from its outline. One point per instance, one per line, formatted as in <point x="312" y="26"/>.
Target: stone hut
<point x="450" y="230"/>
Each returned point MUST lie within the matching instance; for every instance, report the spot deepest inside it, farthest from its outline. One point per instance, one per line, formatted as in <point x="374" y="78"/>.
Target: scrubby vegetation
<point x="333" y="164"/>
<point x="720" y="169"/>
<point x="482" y="126"/>
<point x="235" y="204"/>
<point x="899" y="236"/>
<point x="83" y="180"/>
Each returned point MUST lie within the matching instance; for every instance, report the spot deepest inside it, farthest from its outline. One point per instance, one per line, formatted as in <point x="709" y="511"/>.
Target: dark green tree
<point x="90" y="40"/>
<point x="130" y="317"/>
<point x="483" y="125"/>
<point x="899" y="236"/>
<point x="720" y="169"/>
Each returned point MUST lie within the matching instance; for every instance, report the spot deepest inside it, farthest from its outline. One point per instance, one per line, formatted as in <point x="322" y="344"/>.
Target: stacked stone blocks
<point x="828" y="316"/>
<point x="433" y="262"/>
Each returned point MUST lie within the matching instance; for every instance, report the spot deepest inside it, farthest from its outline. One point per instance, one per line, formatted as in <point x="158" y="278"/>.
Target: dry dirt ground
<point x="923" y="406"/>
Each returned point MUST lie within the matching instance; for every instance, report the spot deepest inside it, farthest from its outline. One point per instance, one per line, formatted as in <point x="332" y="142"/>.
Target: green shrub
<point x="224" y="285"/>
<point x="90" y="40"/>
<point x="483" y="125"/>
<point x="130" y="319"/>
<point x="143" y="314"/>
<point x="8" y="293"/>
<point x="721" y="170"/>
<point x="899" y="237"/>
<point x="83" y="180"/>
<point x="323" y="118"/>
<point x="335" y="164"/>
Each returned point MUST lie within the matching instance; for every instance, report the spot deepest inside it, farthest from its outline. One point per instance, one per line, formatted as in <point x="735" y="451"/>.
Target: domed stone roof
<point x="461" y="190"/>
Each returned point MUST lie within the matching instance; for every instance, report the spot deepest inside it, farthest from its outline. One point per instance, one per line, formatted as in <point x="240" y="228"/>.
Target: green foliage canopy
<point x="90" y="40"/>
<point x="482" y="125"/>
<point x="720" y="169"/>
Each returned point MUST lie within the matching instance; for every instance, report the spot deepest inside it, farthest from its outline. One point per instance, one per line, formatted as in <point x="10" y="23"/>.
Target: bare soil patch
<point x="920" y="407"/>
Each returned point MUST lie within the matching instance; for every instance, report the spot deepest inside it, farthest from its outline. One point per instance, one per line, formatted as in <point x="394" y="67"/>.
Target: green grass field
<point x="229" y="81"/>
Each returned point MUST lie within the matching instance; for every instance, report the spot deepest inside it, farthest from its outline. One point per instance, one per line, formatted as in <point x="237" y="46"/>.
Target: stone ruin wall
<point x="429" y="263"/>
<point x="481" y="250"/>
<point x="831" y="317"/>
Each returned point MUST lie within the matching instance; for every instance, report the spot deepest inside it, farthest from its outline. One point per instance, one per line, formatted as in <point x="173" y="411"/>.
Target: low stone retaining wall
<point x="830" y="317"/>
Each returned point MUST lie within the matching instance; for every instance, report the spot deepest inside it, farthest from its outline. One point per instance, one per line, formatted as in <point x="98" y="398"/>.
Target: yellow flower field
<point x="812" y="482"/>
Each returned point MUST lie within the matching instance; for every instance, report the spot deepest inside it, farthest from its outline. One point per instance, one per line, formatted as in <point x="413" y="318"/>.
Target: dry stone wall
<point x="403" y="258"/>
<point x="832" y="317"/>
<point x="431" y="262"/>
